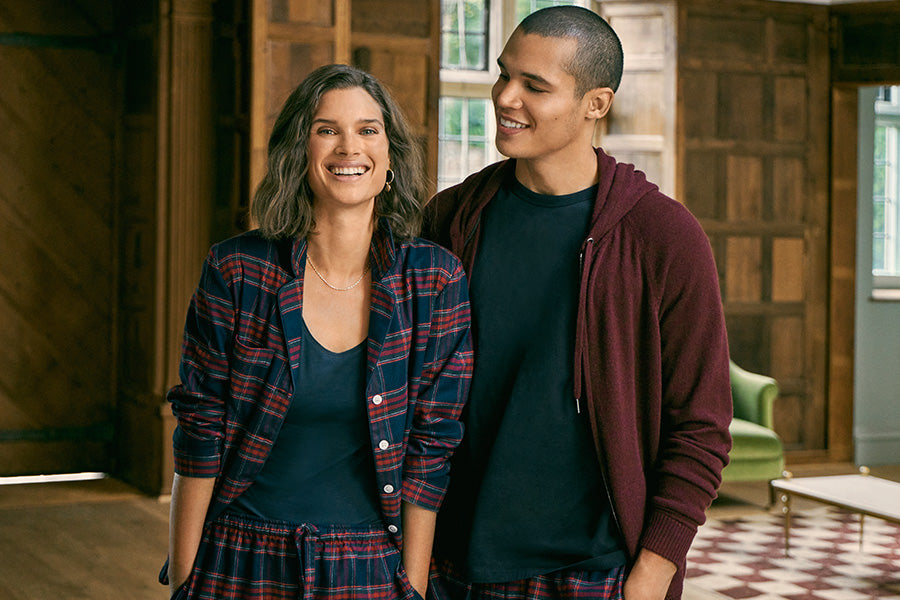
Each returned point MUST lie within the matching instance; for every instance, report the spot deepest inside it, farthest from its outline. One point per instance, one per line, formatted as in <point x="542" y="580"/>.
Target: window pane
<point x="886" y="185"/>
<point x="451" y="117"/>
<point x="878" y="225"/>
<point x="464" y="34"/>
<point x="478" y="157"/>
<point x="464" y="146"/>
<point x="477" y="118"/>
<point x="475" y="47"/>
<point x="526" y="7"/>
<point x="878" y="254"/>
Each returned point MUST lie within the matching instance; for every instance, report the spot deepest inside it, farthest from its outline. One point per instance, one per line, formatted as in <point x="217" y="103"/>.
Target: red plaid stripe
<point x="447" y="583"/>
<point x="249" y="559"/>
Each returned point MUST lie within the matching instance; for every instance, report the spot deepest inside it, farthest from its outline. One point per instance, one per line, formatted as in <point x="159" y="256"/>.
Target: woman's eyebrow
<point x="360" y="121"/>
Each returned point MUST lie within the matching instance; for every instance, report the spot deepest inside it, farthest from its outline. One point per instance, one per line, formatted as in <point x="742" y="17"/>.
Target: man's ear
<point x="599" y="102"/>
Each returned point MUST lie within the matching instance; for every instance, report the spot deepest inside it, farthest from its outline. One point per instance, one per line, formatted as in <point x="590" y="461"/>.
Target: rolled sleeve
<point x="197" y="402"/>
<point x="441" y="392"/>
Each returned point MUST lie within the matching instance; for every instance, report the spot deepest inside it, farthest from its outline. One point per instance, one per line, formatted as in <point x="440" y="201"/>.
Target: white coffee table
<point x="862" y="494"/>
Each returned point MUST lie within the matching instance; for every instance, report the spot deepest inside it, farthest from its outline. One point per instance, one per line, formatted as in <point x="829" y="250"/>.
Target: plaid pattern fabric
<point x="447" y="583"/>
<point x="240" y="358"/>
<point x="247" y="559"/>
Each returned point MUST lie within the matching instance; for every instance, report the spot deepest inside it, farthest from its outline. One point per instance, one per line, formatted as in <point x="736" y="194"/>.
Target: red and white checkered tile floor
<point x="743" y="558"/>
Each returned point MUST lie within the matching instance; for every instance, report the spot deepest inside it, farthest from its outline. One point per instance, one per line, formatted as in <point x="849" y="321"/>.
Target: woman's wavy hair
<point x="282" y="204"/>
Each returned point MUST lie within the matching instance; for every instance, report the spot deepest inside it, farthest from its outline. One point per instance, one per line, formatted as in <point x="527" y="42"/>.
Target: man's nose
<point x="506" y="94"/>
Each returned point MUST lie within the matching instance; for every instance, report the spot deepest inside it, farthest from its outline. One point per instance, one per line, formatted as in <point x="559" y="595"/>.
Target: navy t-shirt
<point x="526" y="495"/>
<point x="321" y="469"/>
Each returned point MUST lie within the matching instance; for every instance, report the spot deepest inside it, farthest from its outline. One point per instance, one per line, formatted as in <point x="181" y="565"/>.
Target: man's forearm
<point x="650" y="577"/>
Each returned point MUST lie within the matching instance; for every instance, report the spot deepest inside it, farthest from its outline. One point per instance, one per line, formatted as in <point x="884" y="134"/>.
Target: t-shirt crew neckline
<point x="518" y="189"/>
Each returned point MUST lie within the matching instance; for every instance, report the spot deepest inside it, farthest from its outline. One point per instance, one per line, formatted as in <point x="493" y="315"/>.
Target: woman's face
<point x="348" y="150"/>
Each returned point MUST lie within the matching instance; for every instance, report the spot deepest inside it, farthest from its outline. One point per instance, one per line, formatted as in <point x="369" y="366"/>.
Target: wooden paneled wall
<point x="842" y="253"/>
<point x="753" y="151"/>
<point x="866" y="43"/>
<point x="640" y="128"/>
<point x="167" y="188"/>
<point x="58" y="231"/>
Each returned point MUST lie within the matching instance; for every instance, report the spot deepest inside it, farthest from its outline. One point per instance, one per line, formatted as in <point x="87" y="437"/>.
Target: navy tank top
<point x="321" y="469"/>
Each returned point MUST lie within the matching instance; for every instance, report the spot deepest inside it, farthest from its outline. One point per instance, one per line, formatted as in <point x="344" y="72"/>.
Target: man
<point x="597" y="425"/>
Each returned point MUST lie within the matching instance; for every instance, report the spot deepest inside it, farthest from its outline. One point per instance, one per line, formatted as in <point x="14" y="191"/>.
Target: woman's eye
<point x="326" y="131"/>
<point x="369" y="131"/>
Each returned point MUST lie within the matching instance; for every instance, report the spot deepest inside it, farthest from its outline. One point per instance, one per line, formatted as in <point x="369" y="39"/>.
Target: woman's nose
<point x="347" y="145"/>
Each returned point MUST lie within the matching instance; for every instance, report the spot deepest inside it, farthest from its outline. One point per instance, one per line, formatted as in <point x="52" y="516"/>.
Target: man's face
<point x="538" y="114"/>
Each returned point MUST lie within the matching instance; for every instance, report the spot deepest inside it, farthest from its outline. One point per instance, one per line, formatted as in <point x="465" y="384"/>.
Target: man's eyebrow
<point x="532" y="76"/>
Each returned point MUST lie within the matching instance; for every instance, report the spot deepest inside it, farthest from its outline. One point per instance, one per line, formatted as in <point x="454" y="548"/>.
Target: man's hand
<point x="650" y="577"/>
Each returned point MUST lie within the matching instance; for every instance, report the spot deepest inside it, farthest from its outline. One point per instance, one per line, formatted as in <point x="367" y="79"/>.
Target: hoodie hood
<point x="620" y="187"/>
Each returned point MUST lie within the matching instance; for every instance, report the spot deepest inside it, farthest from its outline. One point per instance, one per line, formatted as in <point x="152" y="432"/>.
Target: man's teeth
<point x="511" y="124"/>
<point x="348" y="170"/>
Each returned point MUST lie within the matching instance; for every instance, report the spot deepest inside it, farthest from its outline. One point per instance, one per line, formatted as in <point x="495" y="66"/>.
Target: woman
<point x="325" y="364"/>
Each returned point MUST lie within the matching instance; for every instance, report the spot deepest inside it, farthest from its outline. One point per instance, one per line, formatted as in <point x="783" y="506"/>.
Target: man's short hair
<point x="598" y="57"/>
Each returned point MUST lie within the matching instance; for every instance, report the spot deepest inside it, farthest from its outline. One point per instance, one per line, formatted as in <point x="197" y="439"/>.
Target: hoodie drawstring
<point x="584" y="260"/>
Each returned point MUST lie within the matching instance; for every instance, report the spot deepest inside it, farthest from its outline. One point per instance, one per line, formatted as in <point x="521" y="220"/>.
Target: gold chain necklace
<point x="335" y="288"/>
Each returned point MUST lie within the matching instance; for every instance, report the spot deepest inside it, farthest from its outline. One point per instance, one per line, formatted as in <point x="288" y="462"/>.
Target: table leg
<point x="862" y="520"/>
<point x="786" y="511"/>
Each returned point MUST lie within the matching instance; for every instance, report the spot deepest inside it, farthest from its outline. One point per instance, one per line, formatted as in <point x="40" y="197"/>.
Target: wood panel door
<point x="395" y="40"/>
<point x="57" y="235"/>
<point x="753" y="151"/>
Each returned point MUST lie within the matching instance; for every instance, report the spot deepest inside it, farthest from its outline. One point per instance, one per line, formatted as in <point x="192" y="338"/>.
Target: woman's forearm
<point x="418" y="539"/>
<point x="190" y="500"/>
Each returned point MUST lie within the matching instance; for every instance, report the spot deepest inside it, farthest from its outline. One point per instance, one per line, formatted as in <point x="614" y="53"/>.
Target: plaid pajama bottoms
<point x="245" y="558"/>
<point x="447" y="583"/>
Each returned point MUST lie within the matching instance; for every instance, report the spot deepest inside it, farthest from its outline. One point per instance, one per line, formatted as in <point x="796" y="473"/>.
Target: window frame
<point x="887" y="114"/>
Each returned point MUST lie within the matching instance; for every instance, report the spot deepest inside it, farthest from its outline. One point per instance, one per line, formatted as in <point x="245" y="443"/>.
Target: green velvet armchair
<point x="756" y="453"/>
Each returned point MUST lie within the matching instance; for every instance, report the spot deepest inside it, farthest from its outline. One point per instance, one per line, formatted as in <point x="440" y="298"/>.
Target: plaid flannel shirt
<point x="240" y="360"/>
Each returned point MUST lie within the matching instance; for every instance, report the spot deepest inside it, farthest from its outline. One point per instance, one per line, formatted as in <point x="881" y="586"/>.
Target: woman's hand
<point x="418" y="538"/>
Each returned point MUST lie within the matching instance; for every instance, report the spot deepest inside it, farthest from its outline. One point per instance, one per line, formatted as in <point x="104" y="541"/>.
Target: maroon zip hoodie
<point x="651" y="352"/>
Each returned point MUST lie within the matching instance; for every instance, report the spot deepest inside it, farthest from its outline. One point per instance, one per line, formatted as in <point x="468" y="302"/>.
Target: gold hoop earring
<point x="390" y="180"/>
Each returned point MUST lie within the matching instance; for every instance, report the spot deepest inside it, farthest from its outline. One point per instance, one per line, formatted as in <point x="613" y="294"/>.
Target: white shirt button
<point x="392" y="528"/>
<point x="383" y="444"/>
<point x="388" y="489"/>
<point x="377" y="399"/>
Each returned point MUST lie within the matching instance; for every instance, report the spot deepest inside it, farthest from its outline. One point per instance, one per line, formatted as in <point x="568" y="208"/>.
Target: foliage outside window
<point x="526" y="7"/>
<point x="886" y="190"/>
<point x="464" y="34"/>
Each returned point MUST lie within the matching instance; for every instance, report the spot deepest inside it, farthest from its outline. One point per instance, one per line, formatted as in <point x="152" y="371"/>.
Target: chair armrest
<point x="753" y="396"/>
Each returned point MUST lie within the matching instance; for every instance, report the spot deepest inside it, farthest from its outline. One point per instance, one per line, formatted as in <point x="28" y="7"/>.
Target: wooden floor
<point x="102" y="540"/>
<point x="93" y="540"/>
